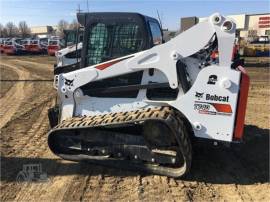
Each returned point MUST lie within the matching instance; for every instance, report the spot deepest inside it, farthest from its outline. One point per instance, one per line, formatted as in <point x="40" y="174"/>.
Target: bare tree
<point x="74" y="24"/>
<point x="24" y="30"/>
<point x="62" y="25"/>
<point x="12" y="30"/>
<point x="4" y="32"/>
<point x="1" y="30"/>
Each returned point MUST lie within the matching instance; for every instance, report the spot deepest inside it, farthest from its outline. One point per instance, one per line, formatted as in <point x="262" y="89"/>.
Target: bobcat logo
<point x="69" y="82"/>
<point x="199" y="95"/>
<point x="212" y="79"/>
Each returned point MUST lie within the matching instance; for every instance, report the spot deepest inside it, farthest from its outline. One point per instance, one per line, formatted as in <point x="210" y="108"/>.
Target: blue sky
<point x="49" y="12"/>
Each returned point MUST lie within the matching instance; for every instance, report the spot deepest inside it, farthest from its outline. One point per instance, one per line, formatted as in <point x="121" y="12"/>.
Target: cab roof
<point x="87" y="18"/>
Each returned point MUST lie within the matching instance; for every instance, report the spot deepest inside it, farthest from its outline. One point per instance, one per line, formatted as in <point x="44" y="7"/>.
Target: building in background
<point x="188" y="22"/>
<point x="43" y="31"/>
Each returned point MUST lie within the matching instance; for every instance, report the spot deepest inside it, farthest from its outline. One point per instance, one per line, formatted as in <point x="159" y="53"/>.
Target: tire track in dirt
<point x="38" y="64"/>
<point x="10" y="103"/>
<point x="39" y="70"/>
<point x="56" y="187"/>
<point x="98" y="183"/>
<point x="34" y="145"/>
<point x="113" y="183"/>
<point x="121" y="185"/>
<point x="83" y="185"/>
<point x="161" y="188"/>
<point x="23" y="132"/>
<point x="29" y="138"/>
<point x="31" y="144"/>
<point x="34" y="142"/>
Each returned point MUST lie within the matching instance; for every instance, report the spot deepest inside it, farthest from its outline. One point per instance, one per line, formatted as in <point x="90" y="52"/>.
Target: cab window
<point x="109" y="41"/>
<point x="70" y="38"/>
<point x="34" y="42"/>
<point x="156" y="33"/>
<point x="18" y="41"/>
<point x="53" y="43"/>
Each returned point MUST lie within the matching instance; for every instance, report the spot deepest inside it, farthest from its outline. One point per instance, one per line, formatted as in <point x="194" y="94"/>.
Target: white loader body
<point x="212" y="114"/>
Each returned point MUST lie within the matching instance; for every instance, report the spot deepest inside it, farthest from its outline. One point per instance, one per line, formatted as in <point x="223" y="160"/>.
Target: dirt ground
<point x="239" y="173"/>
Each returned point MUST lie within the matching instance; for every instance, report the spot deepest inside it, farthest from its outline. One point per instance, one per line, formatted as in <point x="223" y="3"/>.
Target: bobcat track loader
<point x="136" y="102"/>
<point x="54" y="45"/>
<point x="13" y="46"/>
<point x="69" y="56"/>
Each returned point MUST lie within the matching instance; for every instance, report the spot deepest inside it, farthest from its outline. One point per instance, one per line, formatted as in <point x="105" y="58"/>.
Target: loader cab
<point x="107" y="35"/>
<point x="111" y="35"/>
<point x="71" y="37"/>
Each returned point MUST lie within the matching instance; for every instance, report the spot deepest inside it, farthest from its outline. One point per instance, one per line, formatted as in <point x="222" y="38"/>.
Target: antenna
<point x="159" y="19"/>
<point x="87" y="6"/>
<point x="79" y="9"/>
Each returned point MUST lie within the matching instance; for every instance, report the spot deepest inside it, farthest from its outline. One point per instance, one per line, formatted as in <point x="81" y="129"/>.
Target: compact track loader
<point x="70" y="55"/>
<point x="136" y="102"/>
<point x="12" y="46"/>
<point x="54" y="45"/>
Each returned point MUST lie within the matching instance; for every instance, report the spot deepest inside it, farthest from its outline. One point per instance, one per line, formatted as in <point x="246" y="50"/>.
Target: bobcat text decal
<point x="217" y="98"/>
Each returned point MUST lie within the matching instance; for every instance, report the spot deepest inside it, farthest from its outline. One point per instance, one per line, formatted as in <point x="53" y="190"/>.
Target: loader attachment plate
<point x="127" y="140"/>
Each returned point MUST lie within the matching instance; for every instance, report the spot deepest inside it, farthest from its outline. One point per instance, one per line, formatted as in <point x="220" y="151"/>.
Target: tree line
<point x="11" y="30"/>
<point x="22" y="30"/>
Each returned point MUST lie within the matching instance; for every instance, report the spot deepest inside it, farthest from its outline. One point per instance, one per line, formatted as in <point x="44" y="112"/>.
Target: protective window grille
<point x="107" y="42"/>
<point x="71" y="38"/>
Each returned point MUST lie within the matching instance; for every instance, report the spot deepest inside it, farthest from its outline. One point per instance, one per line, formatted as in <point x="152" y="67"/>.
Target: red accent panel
<point x="9" y="50"/>
<point x="264" y="22"/>
<point x="242" y="104"/>
<point x="8" y="47"/>
<point x="264" y="26"/>
<point x="108" y="64"/>
<point x="222" y="107"/>
<point x="51" y="49"/>
<point x="27" y="47"/>
<point x="264" y="18"/>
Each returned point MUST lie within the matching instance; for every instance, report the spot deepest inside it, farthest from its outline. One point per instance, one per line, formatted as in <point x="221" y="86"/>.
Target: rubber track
<point x="165" y="114"/>
<point x="115" y="118"/>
